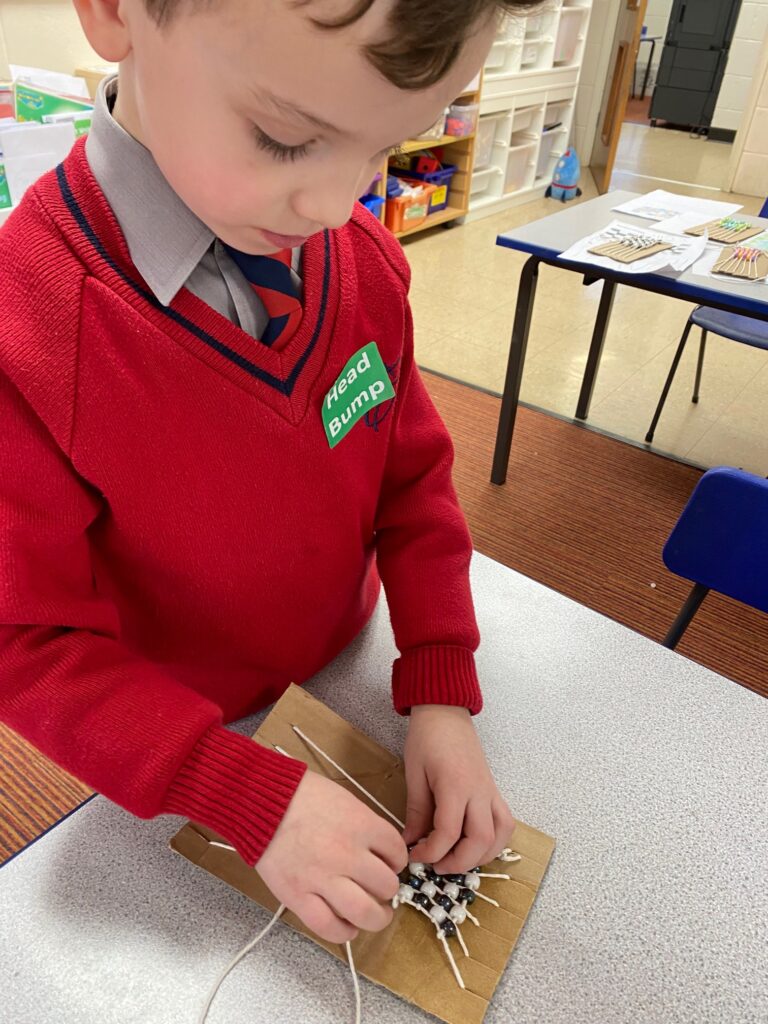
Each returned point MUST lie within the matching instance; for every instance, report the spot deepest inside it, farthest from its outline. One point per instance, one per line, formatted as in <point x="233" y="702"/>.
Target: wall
<point x="594" y="72"/>
<point x="748" y="39"/>
<point x="748" y="172"/>
<point x="44" y="35"/>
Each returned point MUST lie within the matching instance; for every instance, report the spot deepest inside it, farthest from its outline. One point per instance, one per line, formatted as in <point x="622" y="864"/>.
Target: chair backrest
<point x="721" y="537"/>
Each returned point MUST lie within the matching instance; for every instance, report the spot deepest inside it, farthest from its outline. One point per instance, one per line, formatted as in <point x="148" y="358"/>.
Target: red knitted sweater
<point x="178" y="540"/>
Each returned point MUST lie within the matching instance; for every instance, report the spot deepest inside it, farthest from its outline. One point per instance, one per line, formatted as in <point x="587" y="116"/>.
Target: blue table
<point x="544" y="240"/>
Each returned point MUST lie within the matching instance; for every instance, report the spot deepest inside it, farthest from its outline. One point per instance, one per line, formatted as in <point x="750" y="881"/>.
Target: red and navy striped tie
<point x="272" y="280"/>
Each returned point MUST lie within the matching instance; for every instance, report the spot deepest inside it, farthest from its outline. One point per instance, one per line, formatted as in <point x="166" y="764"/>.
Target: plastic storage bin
<point x="440" y="179"/>
<point x="568" y="34"/>
<point x="482" y="181"/>
<point x="497" y="56"/>
<point x="523" y="119"/>
<point x="518" y="166"/>
<point x="436" y="131"/>
<point x="405" y="212"/>
<point x="548" y="140"/>
<point x="486" y="136"/>
<point x="462" y="119"/>
<point x="373" y="203"/>
<point x="512" y="28"/>
<point x="529" y="55"/>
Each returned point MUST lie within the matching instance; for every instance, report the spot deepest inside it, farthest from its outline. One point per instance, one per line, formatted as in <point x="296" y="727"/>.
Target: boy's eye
<point x="278" y="149"/>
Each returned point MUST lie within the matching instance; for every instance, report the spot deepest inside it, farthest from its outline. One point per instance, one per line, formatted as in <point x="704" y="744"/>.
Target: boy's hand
<point x="452" y="798"/>
<point x="334" y="862"/>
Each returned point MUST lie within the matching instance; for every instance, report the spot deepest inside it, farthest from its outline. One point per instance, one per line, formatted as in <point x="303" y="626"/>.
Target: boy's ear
<point x="105" y="28"/>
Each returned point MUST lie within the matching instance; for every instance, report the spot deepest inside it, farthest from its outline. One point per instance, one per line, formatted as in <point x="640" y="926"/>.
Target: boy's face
<point x="267" y="127"/>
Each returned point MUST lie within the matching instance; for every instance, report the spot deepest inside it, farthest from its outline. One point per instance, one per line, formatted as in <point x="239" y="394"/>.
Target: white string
<point x="509" y="856"/>
<point x="346" y="775"/>
<point x="262" y="933"/>
<point x="355" y="982"/>
<point x="243" y="952"/>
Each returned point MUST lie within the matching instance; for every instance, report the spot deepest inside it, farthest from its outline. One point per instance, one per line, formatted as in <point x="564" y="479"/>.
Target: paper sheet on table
<point x="703" y="267"/>
<point x="55" y="81"/>
<point x="662" y="205"/>
<point x="686" y="250"/>
<point x="406" y="957"/>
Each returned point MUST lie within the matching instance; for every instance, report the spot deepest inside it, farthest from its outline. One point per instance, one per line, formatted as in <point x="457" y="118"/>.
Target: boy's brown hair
<point x="425" y="36"/>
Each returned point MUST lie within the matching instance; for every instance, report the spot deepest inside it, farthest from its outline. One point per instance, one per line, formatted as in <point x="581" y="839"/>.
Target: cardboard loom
<point x="406" y="957"/>
<point x="728" y="262"/>
<point x="719" y="233"/>
<point x="625" y="254"/>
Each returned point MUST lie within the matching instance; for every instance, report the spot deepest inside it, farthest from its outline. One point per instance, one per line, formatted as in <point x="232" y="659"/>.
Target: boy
<point x="191" y="513"/>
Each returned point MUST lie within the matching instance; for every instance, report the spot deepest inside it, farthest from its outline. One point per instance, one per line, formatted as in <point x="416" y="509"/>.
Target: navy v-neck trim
<point x="284" y="386"/>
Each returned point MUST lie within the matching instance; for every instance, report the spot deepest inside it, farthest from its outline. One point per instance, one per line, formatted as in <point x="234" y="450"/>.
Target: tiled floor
<point x="463" y="297"/>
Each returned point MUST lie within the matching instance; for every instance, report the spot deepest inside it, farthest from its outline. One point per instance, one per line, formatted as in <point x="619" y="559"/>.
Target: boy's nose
<point x="328" y="200"/>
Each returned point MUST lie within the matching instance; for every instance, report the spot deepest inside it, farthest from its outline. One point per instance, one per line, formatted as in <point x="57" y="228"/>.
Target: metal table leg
<point x="596" y="348"/>
<point x="526" y="293"/>
<point x="648" y="67"/>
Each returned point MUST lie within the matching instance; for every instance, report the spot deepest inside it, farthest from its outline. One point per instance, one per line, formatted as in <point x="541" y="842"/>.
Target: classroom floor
<point x="463" y="297"/>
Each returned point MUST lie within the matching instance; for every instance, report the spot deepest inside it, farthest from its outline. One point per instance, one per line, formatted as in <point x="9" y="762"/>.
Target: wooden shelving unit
<point x="462" y="154"/>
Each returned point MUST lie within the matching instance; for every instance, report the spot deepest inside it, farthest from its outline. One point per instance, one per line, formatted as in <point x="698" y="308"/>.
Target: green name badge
<point x="5" y="195"/>
<point x="362" y="385"/>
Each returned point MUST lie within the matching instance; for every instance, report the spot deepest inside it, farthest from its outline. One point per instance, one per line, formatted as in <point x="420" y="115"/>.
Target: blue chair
<point x="743" y="329"/>
<point x="720" y="542"/>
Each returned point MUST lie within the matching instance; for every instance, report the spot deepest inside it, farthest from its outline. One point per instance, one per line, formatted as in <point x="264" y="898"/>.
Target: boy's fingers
<point x="504" y="824"/>
<point x="323" y="921"/>
<point x="376" y="877"/>
<point x="449" y="819"/>
<point x="351" y="903"/>
<point x="421" y="809"/>
<point x="386" y="842"/>
<point x="479" y="838"/>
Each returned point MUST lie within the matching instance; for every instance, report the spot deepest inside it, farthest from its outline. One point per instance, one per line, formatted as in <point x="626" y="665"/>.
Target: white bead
<point x="452" y="890"/>
<point x="437" y="914"/>
<point x="405" y="893"/>
<point x="417" y="868"/>
<point x="429" y="889"/>
<point x="458" y="914"/>
<point x="472" y="881"/>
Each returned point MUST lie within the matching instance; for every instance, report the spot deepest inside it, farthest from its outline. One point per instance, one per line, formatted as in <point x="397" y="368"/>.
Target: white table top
<point x="549" y="236"/>
<point x="650" y="771"/>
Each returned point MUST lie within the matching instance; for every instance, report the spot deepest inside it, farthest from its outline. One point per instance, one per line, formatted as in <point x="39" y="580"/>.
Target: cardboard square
<point x="406" y="958"/>
<point x="721" y="234"/>
<point x="612" y="250"/>
<point x="726" y="264"/>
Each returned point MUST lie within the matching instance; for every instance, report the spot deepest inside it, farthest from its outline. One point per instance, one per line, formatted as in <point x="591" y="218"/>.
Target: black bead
<point x="448" y="927"/>
<point x="467" y="896"/>
<point x="422" y="900"/>
<point x="432" y="875"/>
<point x="414" y="882"/>
<point x="439" y="881"/>
<point x="444" y="901"/>
<point x="458" y="879"/>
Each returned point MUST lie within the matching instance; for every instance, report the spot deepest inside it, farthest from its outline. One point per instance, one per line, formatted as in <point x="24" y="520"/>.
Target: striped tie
<point x="271" y="279"/>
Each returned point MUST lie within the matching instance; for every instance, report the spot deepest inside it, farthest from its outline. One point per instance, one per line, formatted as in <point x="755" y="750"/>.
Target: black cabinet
<point x="693" y="61"/>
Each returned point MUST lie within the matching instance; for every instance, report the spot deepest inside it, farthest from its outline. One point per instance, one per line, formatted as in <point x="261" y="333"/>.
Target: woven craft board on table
<point x="406" y="957"/>
<point x="720" y="234"/>
<point x="629" y="255"/>
<point x="741" y="268"/>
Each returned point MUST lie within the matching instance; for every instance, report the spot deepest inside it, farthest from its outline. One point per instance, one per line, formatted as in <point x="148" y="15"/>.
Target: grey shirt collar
<point x="164" y="237"/>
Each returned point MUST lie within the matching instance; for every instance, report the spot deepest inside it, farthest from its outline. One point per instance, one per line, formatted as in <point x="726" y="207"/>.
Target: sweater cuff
<point x="236" y="787"/>
<point x="436" y="675"/>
